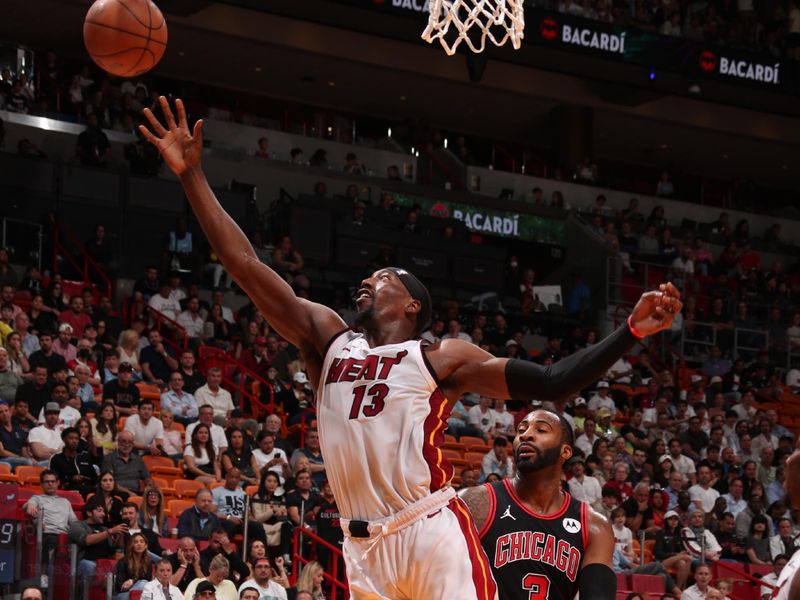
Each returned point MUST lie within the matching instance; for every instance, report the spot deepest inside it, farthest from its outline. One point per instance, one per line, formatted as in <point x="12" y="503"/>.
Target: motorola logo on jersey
<point x="369" y="368"/>
<point x="571" y="525"/>
<point x="535" y="545"/>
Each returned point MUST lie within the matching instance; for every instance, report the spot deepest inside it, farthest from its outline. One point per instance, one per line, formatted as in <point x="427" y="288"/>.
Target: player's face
<point x="380" y="294"/>
<point x="538" y="443"/>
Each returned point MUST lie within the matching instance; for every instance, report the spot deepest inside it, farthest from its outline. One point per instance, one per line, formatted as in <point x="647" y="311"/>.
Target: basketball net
<point x="496" y="20"/>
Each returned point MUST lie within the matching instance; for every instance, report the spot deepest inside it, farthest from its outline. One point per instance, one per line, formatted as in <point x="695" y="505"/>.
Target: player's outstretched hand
<point x="655" y="310"/>
<point x="180" y="147"/>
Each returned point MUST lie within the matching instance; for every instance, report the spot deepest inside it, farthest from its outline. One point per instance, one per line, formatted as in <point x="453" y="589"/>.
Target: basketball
<point x="125" y="37"/>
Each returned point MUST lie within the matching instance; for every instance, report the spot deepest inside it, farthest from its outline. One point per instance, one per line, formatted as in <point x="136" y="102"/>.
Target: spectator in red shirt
<point x="619" y="482"/>
<point x="255" y="358"/>
<point x="75" y="316"/>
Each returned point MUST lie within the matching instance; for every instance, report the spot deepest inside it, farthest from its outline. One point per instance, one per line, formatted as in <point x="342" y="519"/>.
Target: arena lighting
<point x="389" y="133"/>
<point x="694" y="89"/>
<point x="445" y="143"/>
<point x="652" y="74"/>
<point x="412" y="150"/>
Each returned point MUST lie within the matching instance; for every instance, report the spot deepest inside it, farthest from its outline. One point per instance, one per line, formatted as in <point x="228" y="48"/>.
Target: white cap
<point x="716" y="379"/>
<point x="602" y="384"/>
<point x="65" y="327"/>
<point x="697" y="378"/>
<point x="579" y="401"/>
<point x="300" y="377"/>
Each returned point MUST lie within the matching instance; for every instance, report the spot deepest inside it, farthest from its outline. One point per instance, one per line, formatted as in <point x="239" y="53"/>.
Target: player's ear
<point x="566" y="452"/>
<point x="414" y="306"/>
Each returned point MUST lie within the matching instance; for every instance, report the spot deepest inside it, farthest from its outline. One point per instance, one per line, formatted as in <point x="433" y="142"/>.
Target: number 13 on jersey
<point x="368" y="400"/>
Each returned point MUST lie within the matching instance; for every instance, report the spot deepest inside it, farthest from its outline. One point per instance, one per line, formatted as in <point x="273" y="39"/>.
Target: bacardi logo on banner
<point x="744" y="69"/>
<point x="549" y="28"/>
<point x="415" y="5"/>
<point x="589" y="38"/>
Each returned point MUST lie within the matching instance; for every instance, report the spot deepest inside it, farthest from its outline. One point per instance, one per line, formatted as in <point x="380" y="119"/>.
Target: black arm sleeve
<point x="527" y="380"/>
<point x="597" y="582"/>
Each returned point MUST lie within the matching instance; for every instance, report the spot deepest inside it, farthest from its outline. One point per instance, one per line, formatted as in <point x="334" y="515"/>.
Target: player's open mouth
<point x="525" y="450"/>
<point x="363" y="295"/>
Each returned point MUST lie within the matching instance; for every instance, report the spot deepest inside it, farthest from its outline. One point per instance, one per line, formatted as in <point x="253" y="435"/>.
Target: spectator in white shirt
<point x="148" y="432"/>
<point x="702" y="494"/>
<point x="785" y="542"/>
<point x="218" y="297"/>
<point x="764" y="438"/>
<point x="621" y="371"/>
<point x="483" y="417"/>
<point x="602" y="399"/>
<point x="274" y="459"/>
<point x="504" y="420"/>
<point x="161" y="588"/>
<point x="164" y="303"/>
<point x="206" y="416"/>
<point x="682" y="463"/>
<point x="497" y="460"/>
<point x="213" y="395"/>
<point x="45" y="440"/>
<point x="67" y="415"/>
<point x="454" y="332"/>
<point x="701" y="587"/>
<point x="191" y="320"/>
<point x="584" y="487"/>
<point x="735" y="498"/>
<point x="585" y="441"/>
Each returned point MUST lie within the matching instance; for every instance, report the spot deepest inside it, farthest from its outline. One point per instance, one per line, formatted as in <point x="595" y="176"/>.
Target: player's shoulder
<point x="596" y="521"/>
<point x="480" y="501"/>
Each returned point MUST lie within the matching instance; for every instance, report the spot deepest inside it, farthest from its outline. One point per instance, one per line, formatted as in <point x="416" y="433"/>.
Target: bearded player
<point x="541" y="542"/>
<point x="384" y="399"/>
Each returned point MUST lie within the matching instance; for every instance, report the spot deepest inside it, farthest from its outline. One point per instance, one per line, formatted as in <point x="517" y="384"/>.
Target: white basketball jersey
<point x="381" y="422"/>
<point x="784" y="583"/>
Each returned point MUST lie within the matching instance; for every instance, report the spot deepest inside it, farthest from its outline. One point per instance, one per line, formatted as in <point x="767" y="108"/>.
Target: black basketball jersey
<point x="533" y="557"/>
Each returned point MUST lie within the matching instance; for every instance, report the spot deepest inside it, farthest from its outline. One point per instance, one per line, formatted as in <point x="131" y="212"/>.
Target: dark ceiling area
<point x="322" y="53"/>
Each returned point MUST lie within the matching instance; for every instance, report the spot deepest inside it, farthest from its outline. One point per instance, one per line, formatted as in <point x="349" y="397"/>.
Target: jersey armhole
<point x="585" y="524"/>
<point x="428" y="364"/>
<point x="490" y="513"/>
<point x="333" y="339"/>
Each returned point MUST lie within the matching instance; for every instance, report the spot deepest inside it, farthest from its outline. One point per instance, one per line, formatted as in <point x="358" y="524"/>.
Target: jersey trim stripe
<point x="485" y="587"/>
<point x="550" y="517"/>
<point x="441" y="471"/>
<point x="428" y="363"/>
<point x="328" y="347"/>
<point x="491" y="513"/>
<point x="585" y="524"/>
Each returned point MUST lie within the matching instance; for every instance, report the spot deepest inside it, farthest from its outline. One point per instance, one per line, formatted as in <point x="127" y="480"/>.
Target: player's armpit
<point x="477" y="500"/>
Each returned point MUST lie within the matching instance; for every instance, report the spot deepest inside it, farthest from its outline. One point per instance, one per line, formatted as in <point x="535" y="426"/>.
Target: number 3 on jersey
<point x="377" y="400"/>
<point x="537" y="586"/>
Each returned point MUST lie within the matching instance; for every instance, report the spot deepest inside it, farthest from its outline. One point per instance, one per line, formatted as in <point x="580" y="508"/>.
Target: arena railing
<point x="178" y="338"/>
<point x="301" y="534"/>
<point x="85" y="265"/>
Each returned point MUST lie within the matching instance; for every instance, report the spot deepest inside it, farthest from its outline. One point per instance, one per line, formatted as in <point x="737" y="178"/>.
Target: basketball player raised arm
<point x="393" y="310"/>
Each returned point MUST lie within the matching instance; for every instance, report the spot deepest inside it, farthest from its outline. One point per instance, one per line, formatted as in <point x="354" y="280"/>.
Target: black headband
<point x="418" y="292"/>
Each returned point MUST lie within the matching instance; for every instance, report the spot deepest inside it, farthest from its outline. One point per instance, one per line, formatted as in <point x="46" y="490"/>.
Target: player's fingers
<point x="168" y="116"/>
<point x="197" y="134"/>
<point x="670" y="289"/>
<point x="148" y="135"/>
<point x="181" y="113"/>
<point x="154" y="123"/>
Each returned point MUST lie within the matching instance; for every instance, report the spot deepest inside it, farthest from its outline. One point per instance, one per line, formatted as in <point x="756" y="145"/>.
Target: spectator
<point x="289" y="263"/>
<point x="497" y="460"/>
<point x="206" y="417"/>
<point x="583" y="487"/>
<point x="698" y="539"/>
<point x="10" y="382"/>
<point x="778" y="563"/>
<point x="185" y="563"/>
<point x="134" y="569"/>
<point x="785" y="543"/>
<point x="313" y="453"/>
<point x="734" y="498"/>
<point x="262" y="582"/>
<point x="192" y="378"/>
<point x="181" y="404"/>
<point x="273" y="459"/>
<point x="157" y="362"/>
<point x="239" y="456"/>
<point x="310" y="580"/>
<point x="93" y="148"/>
<point x="199" y="521"/>
<point x="129" y="470"/>
<point x="55" y="511"/>
<point x="148" y="432"/>
<point x="702" y="494"/>
<point x="482" y="417"/>
<point x="121" y="392"/>
<point x="268" y="507"/>
<point x="757" y="541"/>
<point x="129" y="350"/>
<point x="296" y="156"/>
<point x="664" y="186"/>
<point x="151" y="512"/>
<point x="220" y="545"/>
<point x="74" y="468"/>
<point x="191" y="320"/>
<point x="352" y="166"/>
<point x="164" y="302"/>
<point x="201" y="457"/>
<point x="161" y="586"/>
<point x="30" y="343"/>
<point x="303" y="497"/>
<point x="45" y="440"/>
<point x="14" y="449"/>
<point x="173" y="439"/>
<point x="263" y="148"/>
<point x="216" y="583"/>
<point x="701" y="587"/>
<point x="94" y="540"/>
<point x="104" y="428"/>
<point x="46" y="356"/>
<point x="213" y="395"/>
<point x="31" y="593"/>
<point x="75" y="317"/>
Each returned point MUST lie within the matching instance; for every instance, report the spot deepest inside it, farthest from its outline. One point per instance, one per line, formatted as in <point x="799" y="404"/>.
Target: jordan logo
<point x="508" y="514"/>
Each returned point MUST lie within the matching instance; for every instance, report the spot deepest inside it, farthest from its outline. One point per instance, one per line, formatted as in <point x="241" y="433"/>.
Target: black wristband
<point x="597" y="582"/>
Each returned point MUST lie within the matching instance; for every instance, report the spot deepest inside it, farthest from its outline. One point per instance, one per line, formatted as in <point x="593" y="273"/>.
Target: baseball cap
<point x="716" y="379"/>
<point x="205" y="586"/>
<point x="300" y="377"/>
<point x="603" y="412"/>
<point x="126" y="367"/>
<point x="65" y="327"/>
<point x="670" y="514"/>
<point x="663" y="457"/>
<point x="52" y="407"/>
<point x="511" y="343"/>
<point x="579" y="401"/>
<point x="602" y="384"/>
<point x="536" y="403"/>
<point x="696" y="378"/>
<point x="260" y="341"/>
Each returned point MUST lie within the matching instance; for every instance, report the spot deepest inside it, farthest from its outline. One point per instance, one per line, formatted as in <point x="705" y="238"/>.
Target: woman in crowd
<point x="653" y="517"/>
<point x="129" y="351"/>
<point x="110" y="497"/>
<point x="310" y="580"/>
<point x="54" y="297"/>
<point x="42" y="317"/>
<point x="669" y="548"/>
<point x="104" y="428"/>
<point x="240" y="456"/>
<point x="133" y="570"/>
<point x="151" y="512"/>
<point x="17" y="361"/>
<point x="221" y="333"/>
<point x="173" y="438"/>
<point x="86" y="443"/>
<point x="757" y="541"/>
<point x="201" y="457"/>
<point x="268" y="507"/>
<point x="257" y="551"/>
<point x="663" y="470"/>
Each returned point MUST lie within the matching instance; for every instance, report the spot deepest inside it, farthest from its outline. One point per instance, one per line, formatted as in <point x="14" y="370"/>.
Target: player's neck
<point x="385" y="334"/>
<point x="540" y="491"/>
